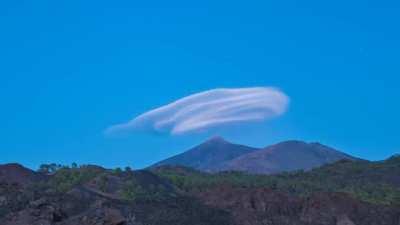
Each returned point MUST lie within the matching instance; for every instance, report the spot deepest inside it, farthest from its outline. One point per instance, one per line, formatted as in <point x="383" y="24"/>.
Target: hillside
<point x="375" y="182"/>
<point x="16" y="173"/>
<point x="342" y="193"/>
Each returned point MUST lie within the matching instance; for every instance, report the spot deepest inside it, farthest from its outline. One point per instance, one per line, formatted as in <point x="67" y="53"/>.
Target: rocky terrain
<point x="89" y="197"/>
<point x="344" y="193"/>
<point x="260" y="206"/>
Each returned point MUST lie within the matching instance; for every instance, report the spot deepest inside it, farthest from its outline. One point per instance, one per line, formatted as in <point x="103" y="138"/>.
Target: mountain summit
<point x="217" y="154"/>
<point x="209" y="156"/>
<point x="287" y="156"/>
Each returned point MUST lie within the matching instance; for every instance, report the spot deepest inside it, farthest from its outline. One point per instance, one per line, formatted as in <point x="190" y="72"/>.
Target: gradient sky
<point x="70" y="69"/>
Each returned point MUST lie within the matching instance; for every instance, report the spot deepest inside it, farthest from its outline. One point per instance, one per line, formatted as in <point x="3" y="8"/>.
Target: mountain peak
<point x="208" y="156"/>
<point x="216" y="139"/>
<point x="217" y="154"/>
<point x="291" y="142"/>
<point x="287" y="156"/>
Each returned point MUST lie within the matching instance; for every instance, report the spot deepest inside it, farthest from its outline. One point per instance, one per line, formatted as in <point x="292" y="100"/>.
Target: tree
<point x="44" y="168"/>
<point x="74" y="165"/>
<point x="49" y="168"/>
<point x="117" y="170"/>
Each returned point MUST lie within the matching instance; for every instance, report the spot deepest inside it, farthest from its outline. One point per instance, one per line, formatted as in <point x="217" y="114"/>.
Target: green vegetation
<point x="49" y="168"/>
<point x="65" y="178"/>
<point x="131" y="190"/>
<point x="103" y="182"/>
<point x="117" y="171"/>
<point x="371" y="182"/>
<point x="374" y="182"/>
<point x="121" y="183"/>
<point x="145" y="186"/>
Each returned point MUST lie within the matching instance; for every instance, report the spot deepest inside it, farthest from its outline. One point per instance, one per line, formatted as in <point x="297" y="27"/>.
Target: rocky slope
<point x="106" y="198"/>
<point x="17" y="174"/>
<point x="343" y="193"/>
<point x="260" y="206"/>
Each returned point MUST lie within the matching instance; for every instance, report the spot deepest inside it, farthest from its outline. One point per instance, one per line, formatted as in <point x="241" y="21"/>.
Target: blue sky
<point x="70" y="69"/>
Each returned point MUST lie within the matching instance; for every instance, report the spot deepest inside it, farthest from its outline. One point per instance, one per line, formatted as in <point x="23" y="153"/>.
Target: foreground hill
<point x="218" y="154"/>
<point x="342" y="193"/>
<point x="375" y="182"/>
<point x="89" y="196"/>
<point x="15" y="173"/>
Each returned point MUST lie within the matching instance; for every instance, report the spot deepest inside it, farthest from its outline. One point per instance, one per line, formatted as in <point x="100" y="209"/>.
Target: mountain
<point x="217" y="155"/>
<point x="286" y="156"/>
<point x="208" y="156"/>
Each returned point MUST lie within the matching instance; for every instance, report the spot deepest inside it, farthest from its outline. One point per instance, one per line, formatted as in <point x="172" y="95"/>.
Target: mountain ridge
<point x="217" y="154"/>
<point x="209" y="155"/>
<point x="287" y="156"/>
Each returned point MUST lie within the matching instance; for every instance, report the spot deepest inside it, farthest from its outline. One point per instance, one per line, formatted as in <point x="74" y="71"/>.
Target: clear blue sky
<point x="69" y="69"/>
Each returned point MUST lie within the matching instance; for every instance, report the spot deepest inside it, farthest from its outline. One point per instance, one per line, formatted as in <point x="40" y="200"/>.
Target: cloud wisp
<point x="210" y="109"/>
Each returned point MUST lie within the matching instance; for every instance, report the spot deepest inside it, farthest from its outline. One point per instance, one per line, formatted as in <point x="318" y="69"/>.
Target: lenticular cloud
<point x="210" y="109"/>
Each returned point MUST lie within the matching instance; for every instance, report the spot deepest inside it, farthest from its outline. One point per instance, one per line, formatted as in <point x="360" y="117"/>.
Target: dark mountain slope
<point x="209" y="156"/>
<point x="16" y="173"/>
<point x="219" y="155"/>
<point x="286" y="156"/>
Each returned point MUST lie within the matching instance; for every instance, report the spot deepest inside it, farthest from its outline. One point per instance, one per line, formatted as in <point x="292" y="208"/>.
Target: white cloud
<point x="208" y="109"/>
